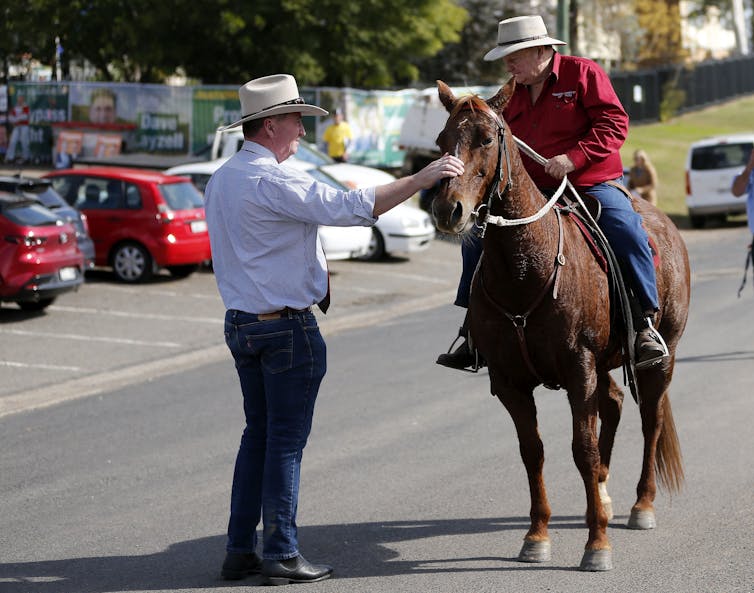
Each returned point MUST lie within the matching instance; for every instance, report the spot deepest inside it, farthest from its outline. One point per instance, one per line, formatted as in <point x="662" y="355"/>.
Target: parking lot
<point x="109" y="333"/>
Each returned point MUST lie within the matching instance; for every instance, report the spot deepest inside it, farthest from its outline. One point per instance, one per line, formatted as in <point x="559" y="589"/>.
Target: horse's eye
<point x="487" y="142"/>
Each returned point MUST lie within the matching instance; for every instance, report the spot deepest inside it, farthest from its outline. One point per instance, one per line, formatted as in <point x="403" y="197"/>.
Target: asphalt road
<point x="117" y="477"/>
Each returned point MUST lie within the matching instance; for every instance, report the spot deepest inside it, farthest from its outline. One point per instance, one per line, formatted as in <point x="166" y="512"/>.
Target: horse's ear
<point x="447" y="97"/>
<point x="499" y="101"/>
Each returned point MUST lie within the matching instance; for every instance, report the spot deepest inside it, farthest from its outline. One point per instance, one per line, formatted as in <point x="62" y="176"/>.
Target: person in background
<point x="270" y="270"/>
<point x="338" y="137"/>
<point x="642" y="178"/>
<point x="744" y="184"/>
<point x="103" y="106"/>
<point x="566" y="109"/>
<point x="18" y="117"/>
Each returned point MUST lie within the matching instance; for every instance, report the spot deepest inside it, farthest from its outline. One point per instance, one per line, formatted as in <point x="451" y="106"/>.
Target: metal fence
<point x="707" y="83"/>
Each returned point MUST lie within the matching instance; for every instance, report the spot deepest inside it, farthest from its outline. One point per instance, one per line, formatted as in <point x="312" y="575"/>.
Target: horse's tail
<point x="668" y="460"/>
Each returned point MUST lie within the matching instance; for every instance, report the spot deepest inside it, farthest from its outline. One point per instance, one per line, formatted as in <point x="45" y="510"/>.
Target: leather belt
<point x="284" y="312"/>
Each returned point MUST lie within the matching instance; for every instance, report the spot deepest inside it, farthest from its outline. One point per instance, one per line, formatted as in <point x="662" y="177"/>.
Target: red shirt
<point x="577" y="114"/>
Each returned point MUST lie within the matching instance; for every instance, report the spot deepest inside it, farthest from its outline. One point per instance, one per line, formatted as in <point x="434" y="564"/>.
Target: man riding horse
<point x="565" y="108"/>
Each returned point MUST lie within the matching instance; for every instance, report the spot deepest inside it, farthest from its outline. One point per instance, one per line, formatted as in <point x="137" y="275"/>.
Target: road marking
<point x="46" y="367"/>
<point x="114" y="379"/>
<point x="82" y="338"/>
<point x="160" y="317"/>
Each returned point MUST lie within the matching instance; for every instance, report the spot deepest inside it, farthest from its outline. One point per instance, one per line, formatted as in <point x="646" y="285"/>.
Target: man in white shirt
<point x="270" y="269"/>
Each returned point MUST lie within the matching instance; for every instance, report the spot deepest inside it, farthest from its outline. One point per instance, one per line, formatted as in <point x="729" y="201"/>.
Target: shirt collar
<point x="257" y="149"/>
<point x="555" y="66"/>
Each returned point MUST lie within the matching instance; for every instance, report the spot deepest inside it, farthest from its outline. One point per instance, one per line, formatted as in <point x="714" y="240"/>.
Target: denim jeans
<point x="280" y="364"/>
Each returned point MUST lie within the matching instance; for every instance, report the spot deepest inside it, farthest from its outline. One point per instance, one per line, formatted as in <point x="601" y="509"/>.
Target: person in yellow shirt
<point x="338" y="136"/>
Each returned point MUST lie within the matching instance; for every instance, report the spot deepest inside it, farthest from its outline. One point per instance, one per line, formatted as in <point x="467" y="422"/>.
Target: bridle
<point x="496" y="192"/>
<point x="519" y="320"/>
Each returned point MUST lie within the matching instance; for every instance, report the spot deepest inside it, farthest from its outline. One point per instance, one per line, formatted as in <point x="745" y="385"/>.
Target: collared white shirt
<point x="263" y="218"/>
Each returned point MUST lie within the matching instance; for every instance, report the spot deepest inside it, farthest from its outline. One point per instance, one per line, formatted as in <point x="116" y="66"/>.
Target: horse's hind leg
<point x="661" y="448"/>
<point x="523" y="411"/>
<point x="610" y="407"/>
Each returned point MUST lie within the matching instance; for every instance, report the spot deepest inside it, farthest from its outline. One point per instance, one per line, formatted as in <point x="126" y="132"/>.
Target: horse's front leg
<point x="597" y="553"/>
<point x="610" y="407"/>
<point x="523" y="411"/>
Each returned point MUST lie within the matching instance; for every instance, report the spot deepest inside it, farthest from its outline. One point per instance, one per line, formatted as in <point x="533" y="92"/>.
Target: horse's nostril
<point x="457" y="213"/>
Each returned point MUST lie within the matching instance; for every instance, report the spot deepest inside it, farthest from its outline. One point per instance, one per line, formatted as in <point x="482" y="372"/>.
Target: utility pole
<point x="564" y="9"/>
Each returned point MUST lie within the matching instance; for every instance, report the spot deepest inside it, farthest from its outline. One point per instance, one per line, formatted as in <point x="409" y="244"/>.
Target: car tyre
<point x="697" y="221"/>
<point x="39" y="305"/>
<point x="132" y="263"/>
<point x="183" y="271"/>
<point x="376" y="249"/>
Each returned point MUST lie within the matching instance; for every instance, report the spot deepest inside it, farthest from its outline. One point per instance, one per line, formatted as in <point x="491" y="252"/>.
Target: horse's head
<point x="473" y="133"/>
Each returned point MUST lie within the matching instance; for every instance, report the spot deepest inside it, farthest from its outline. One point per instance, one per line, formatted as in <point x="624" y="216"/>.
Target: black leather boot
<point x="463" y="357"/>
<point x="650" y="347"/>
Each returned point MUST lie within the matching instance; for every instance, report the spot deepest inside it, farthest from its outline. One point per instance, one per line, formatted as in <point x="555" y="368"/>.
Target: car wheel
<point x="697" y="221"/>
<point x="39" y="305"/>
<point x="132" y="263"/>
<point x="183" y="271"/>
<point x="376" y="249"/>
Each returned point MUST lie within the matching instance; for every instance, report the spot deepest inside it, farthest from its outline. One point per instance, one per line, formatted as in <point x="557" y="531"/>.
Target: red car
<point x="139" y="220"/>
<point x="39" y="255"/>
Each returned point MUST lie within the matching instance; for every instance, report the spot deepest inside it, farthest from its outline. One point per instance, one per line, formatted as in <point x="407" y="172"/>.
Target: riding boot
<point x="464" y="356"/>
<point x="650" y="347"/>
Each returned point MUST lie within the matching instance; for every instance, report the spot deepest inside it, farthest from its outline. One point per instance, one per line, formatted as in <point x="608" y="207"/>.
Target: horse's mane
<point x="472" y="103"/>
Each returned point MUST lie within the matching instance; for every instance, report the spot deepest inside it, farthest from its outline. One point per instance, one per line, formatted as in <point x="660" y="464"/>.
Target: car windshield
<point x="181" y="196"/>
<point x="30" y="214"/>
<point x="309" y="154"/>
<point x="721" y="156"/>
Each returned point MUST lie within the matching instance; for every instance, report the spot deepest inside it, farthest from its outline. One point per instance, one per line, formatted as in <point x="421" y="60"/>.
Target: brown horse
<point x="540" y="313"/>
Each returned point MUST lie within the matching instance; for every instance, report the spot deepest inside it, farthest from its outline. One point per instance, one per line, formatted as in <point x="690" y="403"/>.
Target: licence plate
<point x="68" y="274"/>
<point x="198" y="226"/>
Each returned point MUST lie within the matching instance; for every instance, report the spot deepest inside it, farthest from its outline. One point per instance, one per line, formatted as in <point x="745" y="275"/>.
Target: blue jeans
<point x="280" y="364"/>
<point x="621" y="226"/>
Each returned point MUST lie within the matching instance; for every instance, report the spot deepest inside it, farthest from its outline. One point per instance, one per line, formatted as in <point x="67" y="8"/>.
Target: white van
<point x="711" y="166"/>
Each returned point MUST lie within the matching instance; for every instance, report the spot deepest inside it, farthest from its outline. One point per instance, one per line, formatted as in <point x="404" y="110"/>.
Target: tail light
<point x="688" y="184"/>
<point x="27" y="241"/>
<point x="85" y="223"/>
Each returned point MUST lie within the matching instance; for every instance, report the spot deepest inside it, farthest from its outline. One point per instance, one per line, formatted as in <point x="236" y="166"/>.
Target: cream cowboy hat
<point x="272" y="95"/>
<point x="519" y="33"/>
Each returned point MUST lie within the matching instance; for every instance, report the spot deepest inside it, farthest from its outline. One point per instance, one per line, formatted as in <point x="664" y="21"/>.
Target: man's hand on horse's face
<point x="559" y="166"/>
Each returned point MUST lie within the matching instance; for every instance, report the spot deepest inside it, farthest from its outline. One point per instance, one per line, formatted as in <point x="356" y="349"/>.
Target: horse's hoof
<point x="641" y="519"/>
<point x="535" y="551"/>
<point x="597" y="560"/>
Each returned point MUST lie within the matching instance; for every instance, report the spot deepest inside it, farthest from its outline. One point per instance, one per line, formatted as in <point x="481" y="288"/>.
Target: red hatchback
<point x="139" y="220"/>
<point x="39" y="256"/>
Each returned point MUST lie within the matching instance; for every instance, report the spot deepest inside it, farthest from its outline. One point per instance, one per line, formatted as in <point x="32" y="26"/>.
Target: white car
<point x="404" y="229"/>
<point x="711" y="166"/>
<point x="337" y="242"/>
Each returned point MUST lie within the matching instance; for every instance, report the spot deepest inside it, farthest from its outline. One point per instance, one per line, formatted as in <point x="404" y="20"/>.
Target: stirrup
<point x="659" y="358"/>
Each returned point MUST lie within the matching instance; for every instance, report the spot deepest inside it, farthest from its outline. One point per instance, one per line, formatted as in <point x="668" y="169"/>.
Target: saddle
<point x="585" y="211"/>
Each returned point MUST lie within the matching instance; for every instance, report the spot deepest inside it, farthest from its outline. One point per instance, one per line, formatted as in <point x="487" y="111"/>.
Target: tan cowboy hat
<point x="519" y="33"/>
<point x="272" y="95"/>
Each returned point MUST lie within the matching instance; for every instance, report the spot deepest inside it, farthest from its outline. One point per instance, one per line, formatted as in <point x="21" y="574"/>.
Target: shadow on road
<point x="357" y="550"/>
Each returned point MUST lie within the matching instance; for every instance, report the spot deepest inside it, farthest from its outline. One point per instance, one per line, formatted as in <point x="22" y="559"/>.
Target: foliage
<point x="370" y="43"/>
<point x="661" y="43"/>
<point x="673" y="99"/>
